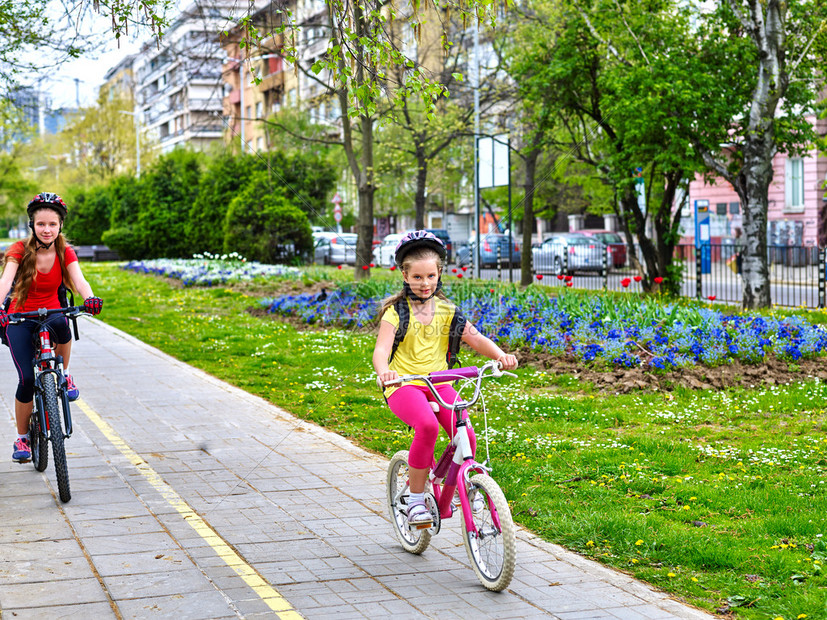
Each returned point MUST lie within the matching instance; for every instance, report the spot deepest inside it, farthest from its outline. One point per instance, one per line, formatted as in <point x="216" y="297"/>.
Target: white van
<point x="383" y="254"/>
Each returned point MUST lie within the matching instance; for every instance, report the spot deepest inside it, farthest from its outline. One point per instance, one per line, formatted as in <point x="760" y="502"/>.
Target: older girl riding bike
<point x="33" y="272"/>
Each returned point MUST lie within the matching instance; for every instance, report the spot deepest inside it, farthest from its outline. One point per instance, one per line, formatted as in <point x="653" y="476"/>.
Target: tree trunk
<point x="421" y="185"/>
<point x="367" y="189"/>
<point x="752" y="186"/>
<point x="528" y="214"/>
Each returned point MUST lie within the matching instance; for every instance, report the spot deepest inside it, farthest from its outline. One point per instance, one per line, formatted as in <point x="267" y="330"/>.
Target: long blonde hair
<point x="417" y="254"/>
<point x="27" y="271"/>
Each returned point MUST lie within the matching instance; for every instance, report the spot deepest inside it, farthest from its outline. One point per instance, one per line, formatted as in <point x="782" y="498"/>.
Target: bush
<point x="263" y="225"/>
<point x="88" y="216"/>
<point x="125" y="242"/>
<point x="226" y="175"/>
<point x="126" y="201"/>
<point x="167" y="193"/>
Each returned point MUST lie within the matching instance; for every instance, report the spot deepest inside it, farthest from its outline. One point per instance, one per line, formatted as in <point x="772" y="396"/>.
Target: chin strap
<point x="39" y="245"/>
<point x="409" y="292"/>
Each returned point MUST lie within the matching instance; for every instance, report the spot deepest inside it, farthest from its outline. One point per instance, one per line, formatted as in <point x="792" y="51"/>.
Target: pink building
<point x="795" y="197"/>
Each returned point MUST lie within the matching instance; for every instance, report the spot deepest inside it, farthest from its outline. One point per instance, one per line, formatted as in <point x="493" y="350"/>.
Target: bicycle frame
<point x="46" y="361"/>
<point x="457" y="461"/>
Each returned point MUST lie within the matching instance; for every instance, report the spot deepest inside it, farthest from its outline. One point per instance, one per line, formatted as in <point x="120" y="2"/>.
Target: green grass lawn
<point x="718" y="497"/>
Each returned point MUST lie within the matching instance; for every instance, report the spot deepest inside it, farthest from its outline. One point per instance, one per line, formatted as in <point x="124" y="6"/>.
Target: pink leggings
<point x="411" y="404"/>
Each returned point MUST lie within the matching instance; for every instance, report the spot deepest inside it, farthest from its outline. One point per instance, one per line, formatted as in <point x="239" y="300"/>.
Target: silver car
<point x="565" y="253"/>
<point x="334" y="248"/>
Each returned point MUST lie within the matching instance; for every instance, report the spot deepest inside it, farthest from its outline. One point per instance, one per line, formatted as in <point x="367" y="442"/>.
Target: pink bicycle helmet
<point x="418" y="239"/>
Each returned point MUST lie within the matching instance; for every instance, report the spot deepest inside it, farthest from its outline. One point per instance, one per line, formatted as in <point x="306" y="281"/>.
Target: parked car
<point x="568" y="252"/>
<point x="330" y="248"/>
<point x="446" y="239"/>
<point x="488" y="251"/>
<point x="383" y="254"/>
<point x="614" y="241"/>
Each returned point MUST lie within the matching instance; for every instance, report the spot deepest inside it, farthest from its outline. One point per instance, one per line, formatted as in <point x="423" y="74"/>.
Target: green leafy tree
<point x="264" y="225"/>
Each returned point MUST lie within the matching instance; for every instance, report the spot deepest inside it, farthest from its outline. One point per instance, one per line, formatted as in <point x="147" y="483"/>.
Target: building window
<point x="248" y="112"/>
<point x="259" y="144"/>
<point x="291" y="96"/>
<point x="794" y="184"/>
<point x="260" y="109"/>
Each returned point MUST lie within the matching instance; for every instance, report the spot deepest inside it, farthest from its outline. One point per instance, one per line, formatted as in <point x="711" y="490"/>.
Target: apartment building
<point x="179" y="86"/>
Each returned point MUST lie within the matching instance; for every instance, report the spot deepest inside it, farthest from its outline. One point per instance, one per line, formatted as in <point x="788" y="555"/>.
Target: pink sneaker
<point x="22" y="450"/>
<point x="71" y="389"/>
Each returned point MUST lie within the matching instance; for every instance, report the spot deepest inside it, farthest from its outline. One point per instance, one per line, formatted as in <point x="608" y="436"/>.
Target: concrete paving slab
<point x="180" y="513"/>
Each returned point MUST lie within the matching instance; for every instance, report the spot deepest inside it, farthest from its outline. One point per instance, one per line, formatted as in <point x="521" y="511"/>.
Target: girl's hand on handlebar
<point x="384" y="377"/>
<point x="507" y="361"/>
<point x="93" y="305"/>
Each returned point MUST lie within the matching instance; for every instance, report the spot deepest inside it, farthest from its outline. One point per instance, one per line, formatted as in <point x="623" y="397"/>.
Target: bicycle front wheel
<point x="37" y="438"/>
<point x="50" y="401"/>
<point x="412" y="541"/>
<point x="492" y="549"/>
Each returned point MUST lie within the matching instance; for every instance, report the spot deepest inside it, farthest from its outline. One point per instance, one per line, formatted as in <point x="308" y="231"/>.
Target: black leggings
<point x="21" y="337"/>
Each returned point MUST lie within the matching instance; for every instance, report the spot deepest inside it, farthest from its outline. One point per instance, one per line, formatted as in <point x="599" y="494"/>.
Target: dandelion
<point x="638" y="543"/>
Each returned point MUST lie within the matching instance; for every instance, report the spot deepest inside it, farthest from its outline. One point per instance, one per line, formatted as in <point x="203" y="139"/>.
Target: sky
<point x="89" y="70"/>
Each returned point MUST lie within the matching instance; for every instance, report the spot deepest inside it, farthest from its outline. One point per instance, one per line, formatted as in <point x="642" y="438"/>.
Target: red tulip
<point x="339" y="267"/>
<point x="569" y="278"/>
<point x="491" y="289"/>
<point x="365" y="267"/>
<point x="393" y="267"/>
<point x="459" y="275"/>
<point x="464" y="268"/>
<point x="454" y="270"/>
<point x="569" y="284"/>
<point x="625" y="282"/>
<point x="539" y="276"/>
<point x="711" y="298"/>
<point x="560" y="276"/>
<point x="658" y="280"/>
<point x="638" y="278"/>
<point x="373" y="265"/>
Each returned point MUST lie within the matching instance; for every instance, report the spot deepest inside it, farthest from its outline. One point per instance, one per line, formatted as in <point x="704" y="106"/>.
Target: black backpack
<point x="458" y="322"/>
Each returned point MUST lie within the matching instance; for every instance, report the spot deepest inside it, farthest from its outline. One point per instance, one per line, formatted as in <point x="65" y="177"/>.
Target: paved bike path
<point x="194" y="499"/>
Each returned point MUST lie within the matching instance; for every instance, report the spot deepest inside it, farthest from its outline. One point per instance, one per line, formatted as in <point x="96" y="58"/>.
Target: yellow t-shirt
<point x="425" y="347"/>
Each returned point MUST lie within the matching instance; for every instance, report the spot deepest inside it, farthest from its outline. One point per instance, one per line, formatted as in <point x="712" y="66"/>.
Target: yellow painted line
<point x="264" y="590"/>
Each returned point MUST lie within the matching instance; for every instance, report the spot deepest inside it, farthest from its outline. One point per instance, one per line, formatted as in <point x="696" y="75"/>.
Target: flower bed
<point x="610" y="330"/>
<point x="209" y="269"/>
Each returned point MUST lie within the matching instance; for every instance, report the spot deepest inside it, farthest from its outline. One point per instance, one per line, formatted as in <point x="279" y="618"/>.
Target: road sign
<point x="337" y="199"/>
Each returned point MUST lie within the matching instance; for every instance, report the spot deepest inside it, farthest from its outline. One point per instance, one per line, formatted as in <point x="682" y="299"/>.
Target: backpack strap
<point x="404" y="313"/>
<point x="455" y="336"/>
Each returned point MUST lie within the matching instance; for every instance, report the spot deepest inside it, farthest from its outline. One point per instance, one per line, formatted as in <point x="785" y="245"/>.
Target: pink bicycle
<point x="487" y="526"/>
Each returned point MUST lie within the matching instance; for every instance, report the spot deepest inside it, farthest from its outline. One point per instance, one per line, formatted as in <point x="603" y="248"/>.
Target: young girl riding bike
<point x="420" y="256"/>
<point x="33" y="272"/>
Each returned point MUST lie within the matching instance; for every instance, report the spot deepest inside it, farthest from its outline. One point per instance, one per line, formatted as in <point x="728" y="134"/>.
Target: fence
<point x="796" y="273"/>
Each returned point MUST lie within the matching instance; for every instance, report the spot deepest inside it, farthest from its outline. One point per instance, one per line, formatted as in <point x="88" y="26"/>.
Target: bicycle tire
<point x="50" y="401"/>
<point x="493" y="554"/>
<point x="412" y="541"/>
<point x="40" y="449"/>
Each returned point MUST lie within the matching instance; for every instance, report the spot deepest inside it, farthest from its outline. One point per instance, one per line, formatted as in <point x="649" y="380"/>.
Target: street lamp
<point x="134" y="115"/>
<point x="240" y="62"/>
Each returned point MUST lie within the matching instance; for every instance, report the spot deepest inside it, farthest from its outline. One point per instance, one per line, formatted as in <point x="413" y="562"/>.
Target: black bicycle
<point x="51" y="419"/>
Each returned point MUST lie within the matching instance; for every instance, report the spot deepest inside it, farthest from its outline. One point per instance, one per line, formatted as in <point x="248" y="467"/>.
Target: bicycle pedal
<point x="421" y="526"/>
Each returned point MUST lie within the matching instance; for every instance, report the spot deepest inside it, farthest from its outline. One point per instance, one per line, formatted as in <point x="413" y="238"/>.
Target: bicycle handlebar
<point x="42" y="313"/>
<point x="489" y="369"/>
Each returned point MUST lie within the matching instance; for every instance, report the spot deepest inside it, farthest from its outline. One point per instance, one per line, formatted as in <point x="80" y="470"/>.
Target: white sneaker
<point x="476" y="499"/>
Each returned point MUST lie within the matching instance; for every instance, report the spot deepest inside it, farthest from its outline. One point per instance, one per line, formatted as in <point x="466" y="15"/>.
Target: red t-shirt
<point x="43" y="292"/>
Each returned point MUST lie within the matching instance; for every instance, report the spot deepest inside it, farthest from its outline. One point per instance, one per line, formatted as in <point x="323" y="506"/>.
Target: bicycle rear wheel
<point x="40" y="449"/>
<point x="491" y="549"/>
<point x="412" y="541"/>
<point x="53" y="413"/>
